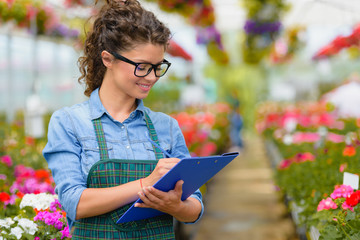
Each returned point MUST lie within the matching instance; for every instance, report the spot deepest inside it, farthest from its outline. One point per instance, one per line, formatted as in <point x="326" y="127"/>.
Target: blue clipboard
<point x="195" y="172"/>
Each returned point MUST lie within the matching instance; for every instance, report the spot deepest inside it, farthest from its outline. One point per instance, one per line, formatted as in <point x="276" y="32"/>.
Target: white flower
<point x="17" y="232"/>
<point x="28" y="225"/>
<point x="39" y="201"/>
<point x="6" y="222"/>
<point x="288" y="139"/>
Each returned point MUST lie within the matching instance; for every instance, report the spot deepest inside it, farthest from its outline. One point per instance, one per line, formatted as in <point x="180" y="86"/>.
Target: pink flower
<point x="36" y="238"/>
<point x="285" y="163"/>
<point x="336" y="138"/>
<point x="346" y="206"/>
<point x="303" y="157"/>
<point x="343" y="167"/>
<point x="342" y="191"/>
<point x="300" y="137"/>
<point x="326" y="204"/>
<point x="7" y="160"/>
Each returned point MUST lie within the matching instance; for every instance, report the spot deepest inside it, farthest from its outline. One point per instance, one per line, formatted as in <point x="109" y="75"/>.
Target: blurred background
<point x="253" y="76"/>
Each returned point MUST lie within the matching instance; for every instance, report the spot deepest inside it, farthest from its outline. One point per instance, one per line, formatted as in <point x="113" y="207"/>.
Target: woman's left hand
<point x="168" y="202"/>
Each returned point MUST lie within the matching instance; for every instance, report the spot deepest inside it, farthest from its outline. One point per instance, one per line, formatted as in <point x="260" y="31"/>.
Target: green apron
<point x="113" y="172"/>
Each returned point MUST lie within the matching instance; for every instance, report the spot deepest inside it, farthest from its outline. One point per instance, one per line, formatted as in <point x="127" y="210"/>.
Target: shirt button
<point x="122" y="127"/>
<point x="127" y="147"/>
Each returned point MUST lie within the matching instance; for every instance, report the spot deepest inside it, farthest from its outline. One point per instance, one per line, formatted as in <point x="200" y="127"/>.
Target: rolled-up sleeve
<point x="62" y="154"/>
<point x="180" y="150"/>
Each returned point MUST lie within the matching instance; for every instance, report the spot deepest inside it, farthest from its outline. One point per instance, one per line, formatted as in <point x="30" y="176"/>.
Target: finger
<point x="144" y="198"/>
<point x="178" y="187"/>
<point x="152" y="192"/>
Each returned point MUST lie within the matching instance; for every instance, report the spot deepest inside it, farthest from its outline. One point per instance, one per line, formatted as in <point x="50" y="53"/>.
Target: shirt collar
<point x="97" y="109"/>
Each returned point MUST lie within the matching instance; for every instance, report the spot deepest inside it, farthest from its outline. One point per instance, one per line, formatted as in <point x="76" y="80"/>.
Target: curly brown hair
<point x="119" y="26"/>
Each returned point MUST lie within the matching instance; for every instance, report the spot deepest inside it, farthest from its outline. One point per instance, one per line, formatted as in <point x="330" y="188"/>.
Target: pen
<point x="156" y="145"/>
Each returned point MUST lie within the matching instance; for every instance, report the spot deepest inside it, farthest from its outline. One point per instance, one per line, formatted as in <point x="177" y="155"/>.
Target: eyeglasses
<point x="143" y="69"/>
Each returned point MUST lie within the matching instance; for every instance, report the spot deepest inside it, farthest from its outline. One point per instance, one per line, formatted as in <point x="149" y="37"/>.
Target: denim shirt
<point x="72" y="148"/>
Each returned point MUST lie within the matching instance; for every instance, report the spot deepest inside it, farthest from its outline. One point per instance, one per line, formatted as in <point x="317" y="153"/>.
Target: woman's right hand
<point x="162" y="167"/>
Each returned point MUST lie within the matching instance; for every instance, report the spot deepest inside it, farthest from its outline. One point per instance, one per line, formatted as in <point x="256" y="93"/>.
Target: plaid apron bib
<point x="113" y="172"/>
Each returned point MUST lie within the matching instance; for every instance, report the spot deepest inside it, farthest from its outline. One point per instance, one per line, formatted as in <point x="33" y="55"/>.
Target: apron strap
<point x="100" y="136"/>
<point x="154" y="137"/>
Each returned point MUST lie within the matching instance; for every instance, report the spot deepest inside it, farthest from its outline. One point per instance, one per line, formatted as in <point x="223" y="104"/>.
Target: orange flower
<point x="20" y="195"/>
<point x="29" y="141"/>
<point x="42" y="174"/>
<point x="349" y="151"/>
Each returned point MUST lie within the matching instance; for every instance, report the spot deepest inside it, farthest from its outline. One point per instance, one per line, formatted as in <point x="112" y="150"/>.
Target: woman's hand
<point x="170" y="203"/>
<point x="162" y="167"/>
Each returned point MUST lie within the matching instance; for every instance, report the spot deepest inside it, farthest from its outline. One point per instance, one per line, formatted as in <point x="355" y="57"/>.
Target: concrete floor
<point x="241" y="201"/>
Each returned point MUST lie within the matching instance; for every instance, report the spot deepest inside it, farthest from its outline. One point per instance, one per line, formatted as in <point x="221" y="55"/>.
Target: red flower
<point x="29" y="141"/>
<point x="4" y="197"/>
<point x="349" y="151"/>
<point x="354" y="199"/>
<point x="20" y="195"/>
<point x="42" y="174"/>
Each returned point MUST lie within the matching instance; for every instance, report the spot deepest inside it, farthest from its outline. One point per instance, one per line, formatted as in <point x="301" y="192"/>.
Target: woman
<point x="98" y="150"/>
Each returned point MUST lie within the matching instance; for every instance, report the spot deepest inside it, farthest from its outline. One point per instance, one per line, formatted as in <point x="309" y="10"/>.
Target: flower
<point x="326" y="204"/>
<point x="40" y="201"/>
<point x="65" y="233"/>
<point x="346" y="206"/>
<point x="4" y="197"/>
<point x="349" y="151"/>
<point x="28" y="225"/>
<point x="343" y="167"/>
<point x="285" y="163"/>
<point x="353" y="199"/>
<point x="7" y="222"/>
<point x="342" y="191"/>
<point x="6" y="160"/>
<point x="17" y="232"/>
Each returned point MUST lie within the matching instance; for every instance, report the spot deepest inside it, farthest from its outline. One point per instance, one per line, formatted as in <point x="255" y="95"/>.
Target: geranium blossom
<point x="326" y="204"/>
<point x="353" y="199"/>
<point x="40" y="201"/>
<point x="346" y="206"/>
<point x="4" y="197"/>
<point x="342" y="191"/>
<point x="50" y="218"/>
<point x="28" y="225"/>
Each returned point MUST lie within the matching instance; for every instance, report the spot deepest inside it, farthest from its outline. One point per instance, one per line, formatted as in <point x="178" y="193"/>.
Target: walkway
<point x="241" y="202"/>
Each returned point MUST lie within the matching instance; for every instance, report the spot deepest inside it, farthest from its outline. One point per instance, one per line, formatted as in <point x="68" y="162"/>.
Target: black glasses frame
<point x="153" y="66"/>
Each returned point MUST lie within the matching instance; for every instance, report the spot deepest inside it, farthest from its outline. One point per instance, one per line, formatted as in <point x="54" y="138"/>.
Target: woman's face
<point x="120" y="75"/>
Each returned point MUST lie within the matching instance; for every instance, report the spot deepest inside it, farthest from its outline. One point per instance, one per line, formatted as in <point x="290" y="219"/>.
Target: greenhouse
<point x="195" y="120"/>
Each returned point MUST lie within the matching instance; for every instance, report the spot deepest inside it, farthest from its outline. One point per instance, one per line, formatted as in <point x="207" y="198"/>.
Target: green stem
<point x="345" y="232"/>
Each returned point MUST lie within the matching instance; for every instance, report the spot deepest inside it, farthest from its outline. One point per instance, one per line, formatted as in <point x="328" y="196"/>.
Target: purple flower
<point x="259" y="28"/>
<point x="50" y="219"/>
<point x="65" y="233"/>
<point x="54" y="205"/>
<point x="206" y="35"/>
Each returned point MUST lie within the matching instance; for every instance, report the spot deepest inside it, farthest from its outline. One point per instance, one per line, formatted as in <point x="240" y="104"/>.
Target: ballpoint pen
<point x="157" y="145"/>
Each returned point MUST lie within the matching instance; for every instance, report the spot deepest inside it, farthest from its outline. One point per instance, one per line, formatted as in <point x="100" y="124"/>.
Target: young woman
<point x="98" y="150"/>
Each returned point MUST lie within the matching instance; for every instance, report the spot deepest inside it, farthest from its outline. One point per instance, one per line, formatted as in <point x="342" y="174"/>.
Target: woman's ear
<point x="107" y="59"/>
